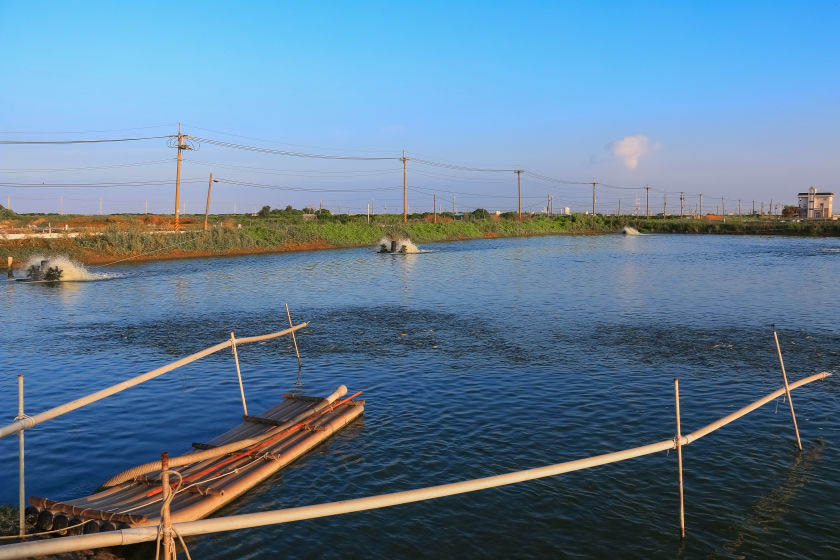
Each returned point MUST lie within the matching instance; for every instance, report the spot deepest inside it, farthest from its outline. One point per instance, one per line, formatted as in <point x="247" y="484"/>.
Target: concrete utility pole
<point x="647" y="201"/>
<point x="518" y="192"/>
<point x="722" y="207"/>
<point x="178" y="180"/>
<point x="434" y="207"/>
<point x="207" y="208"/>
<point x="682" y="202"/>
<point x="664" y="204"/>
<point x="453" y="205"/>
<point x="619" y="207"/>
<point x="593" y="198"/>
<point x="405" y="189"/>
<point x="701" y="205"/>
<point x="753" y="207"/>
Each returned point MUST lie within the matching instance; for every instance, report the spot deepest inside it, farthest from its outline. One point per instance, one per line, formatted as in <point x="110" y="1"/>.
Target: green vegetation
<point x="120" y="236"/>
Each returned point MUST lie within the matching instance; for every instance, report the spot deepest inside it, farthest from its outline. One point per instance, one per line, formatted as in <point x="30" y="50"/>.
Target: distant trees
<point x="790" y="211"/>
<point x="264" y="212"/>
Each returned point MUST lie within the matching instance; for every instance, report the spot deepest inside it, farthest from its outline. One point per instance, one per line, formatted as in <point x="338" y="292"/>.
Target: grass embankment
<point x="117" y="237"/>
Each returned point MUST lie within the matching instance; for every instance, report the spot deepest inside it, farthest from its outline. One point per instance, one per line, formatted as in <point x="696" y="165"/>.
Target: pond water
<point x="476" y="358"/>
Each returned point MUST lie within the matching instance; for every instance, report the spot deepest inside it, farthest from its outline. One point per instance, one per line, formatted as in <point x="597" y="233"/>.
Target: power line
<point x="460" y="167"/>
<point x="274" y="151"/>
<point x="112" y="166"/>
<point x="296" y="189"/>
<point x="83" y="131"/>
<point x="98" y="185"/>
<point x="38" y="142"/>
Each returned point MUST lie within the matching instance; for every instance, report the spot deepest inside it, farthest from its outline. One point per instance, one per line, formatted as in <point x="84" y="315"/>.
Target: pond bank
<point x="249" y="235"/>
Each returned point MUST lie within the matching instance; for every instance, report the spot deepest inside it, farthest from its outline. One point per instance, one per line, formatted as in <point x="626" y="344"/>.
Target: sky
<point x="730" y="99"/>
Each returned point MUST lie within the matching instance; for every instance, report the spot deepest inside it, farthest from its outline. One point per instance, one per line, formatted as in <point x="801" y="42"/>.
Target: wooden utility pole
<point x="434" y="206"/>
<point x="405" y="189"/>
<point x="647" y="201"/>
<point x="593" y="198"/>
<point x="519" y="192"/>
<point x="178" y="181"/>
<point x="207" y="208"/>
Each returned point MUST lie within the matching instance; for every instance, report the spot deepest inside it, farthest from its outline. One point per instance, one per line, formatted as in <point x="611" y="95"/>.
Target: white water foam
<point x="404" y="246"/>
<point x="71" y="271"/>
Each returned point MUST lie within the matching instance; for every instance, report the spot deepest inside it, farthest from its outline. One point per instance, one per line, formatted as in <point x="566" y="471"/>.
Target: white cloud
<point x="631" y="148"/>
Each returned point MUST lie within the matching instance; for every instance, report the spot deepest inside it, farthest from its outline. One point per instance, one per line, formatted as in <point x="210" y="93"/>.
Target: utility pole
<point x="619" y="207"/>
<point x="771" y="207"/>
<point x="701" y="205"/>
<point x="178" y="180"/>
<point x="682" y="202"/>
<point x="664" y="204"/>
<point x="434" y="207"/>
<point x="739" y="206"/>
<point x="405" y="189"/>
<point x="753" y="207"/>
<point x="100" y="206"/>
<point x="453" y="206"/>
<point x="207" y="208"/>
<point x="593" y="198"/>
<point x="647" y="201"/>
<point x="762" y="208"/>
<point x="368" y="213"/>
<point x="518" y="192"/>
<point x="722" y="207"/>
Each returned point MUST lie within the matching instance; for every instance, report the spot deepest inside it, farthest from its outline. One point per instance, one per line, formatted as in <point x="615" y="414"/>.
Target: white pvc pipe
<point x="27" y="423"/>
<point x="219" y="524"/>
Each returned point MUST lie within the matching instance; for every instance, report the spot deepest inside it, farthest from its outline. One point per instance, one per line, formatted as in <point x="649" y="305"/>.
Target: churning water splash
<point x="403" y="245"/>
<point x="71" y="271"/>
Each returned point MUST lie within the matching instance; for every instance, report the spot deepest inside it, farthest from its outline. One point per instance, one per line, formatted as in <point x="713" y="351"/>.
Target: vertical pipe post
<point x="207" y="208"/>
<point x="165" y="518"/>
<point x="21" y="477"/>
<point x="679" y="456"/>
<point x="787" y="390"/>
<point x="294" y="339"/>
<point x="238" y="373"/>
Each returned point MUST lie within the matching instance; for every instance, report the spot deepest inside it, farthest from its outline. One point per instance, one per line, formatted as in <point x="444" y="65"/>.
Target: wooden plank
<point x="264" y="420"/>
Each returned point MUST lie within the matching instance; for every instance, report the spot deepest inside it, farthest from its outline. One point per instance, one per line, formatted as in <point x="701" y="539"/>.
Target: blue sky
<point x="735" y="99"/>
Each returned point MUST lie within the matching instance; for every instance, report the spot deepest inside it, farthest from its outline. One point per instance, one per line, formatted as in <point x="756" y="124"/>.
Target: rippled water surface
<point x="476" y="358"/>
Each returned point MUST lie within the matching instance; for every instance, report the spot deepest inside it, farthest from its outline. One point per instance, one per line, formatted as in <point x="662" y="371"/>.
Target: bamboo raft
<point x="211" y="475"/>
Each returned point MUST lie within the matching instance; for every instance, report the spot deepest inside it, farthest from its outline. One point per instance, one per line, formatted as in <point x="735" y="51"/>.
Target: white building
<point x="816" y="205"/>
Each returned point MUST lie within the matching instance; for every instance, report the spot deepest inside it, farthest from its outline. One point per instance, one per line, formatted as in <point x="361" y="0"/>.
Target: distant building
<point x="816" y="205"/>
